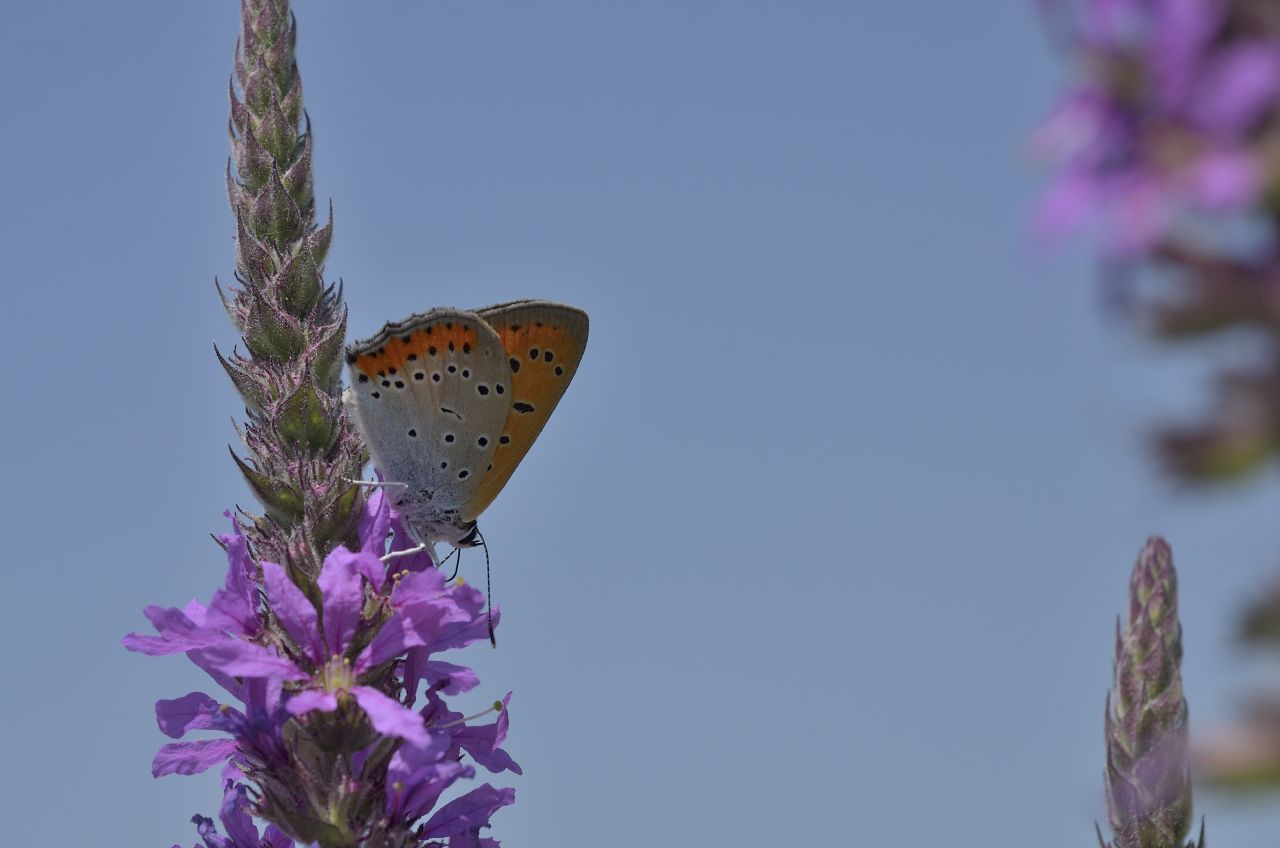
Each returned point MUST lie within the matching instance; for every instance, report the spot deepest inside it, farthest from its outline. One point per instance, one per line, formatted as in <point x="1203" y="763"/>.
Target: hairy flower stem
<point x="1148" y="784"/>
<point x="303" y="449"/>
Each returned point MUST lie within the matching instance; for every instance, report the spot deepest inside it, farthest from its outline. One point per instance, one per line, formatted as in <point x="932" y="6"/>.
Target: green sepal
<point x="327" y="356"/>
<point x="274" y="216"/>
<point x="303" y="422"/>
<point x="299" y="286"/>
<point x="282" y="503"/>
<point x="270" y="334"/>
<point x="255" y="393"/>
<point x="339" y="519"/>
<point x="253" y="160"/>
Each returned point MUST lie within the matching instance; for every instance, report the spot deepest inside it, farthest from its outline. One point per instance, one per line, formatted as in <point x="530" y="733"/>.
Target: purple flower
<point x="241" y="832"/>
<point x="350" y="651"/>
<point x="1165" y="124"/>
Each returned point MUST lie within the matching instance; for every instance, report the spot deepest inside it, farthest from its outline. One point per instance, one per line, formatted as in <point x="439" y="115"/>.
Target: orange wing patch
<point x="544" y="343"/>
<point x="397" y="348"/>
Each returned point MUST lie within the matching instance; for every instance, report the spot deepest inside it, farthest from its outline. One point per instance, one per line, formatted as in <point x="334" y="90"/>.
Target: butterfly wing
<point x="543" y="343"/>
<point x="430" y="394"/>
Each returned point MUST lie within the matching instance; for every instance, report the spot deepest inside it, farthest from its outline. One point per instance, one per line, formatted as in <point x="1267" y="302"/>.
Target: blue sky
<point x="825" y="542"/>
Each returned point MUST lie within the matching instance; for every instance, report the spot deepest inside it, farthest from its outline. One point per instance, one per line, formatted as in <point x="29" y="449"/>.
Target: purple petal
<point x="178" y="634"/>
<point x="418" y="588"/>
<point x="469" y="812"/>
<point x="234" y="687"/>
<point x="1223" y="180"/>
<point x="235" y="817"/>
<point x="482" y="742"/>
<point x="375" y="524"/>
<point x="312" y="699"/>
<point x="276" y="838"/>
<point x="451" y="679"/>
<point x="235" y="606"/>
<point x="1068" y="203"/>
<point x="1183" y="29"/>
<point x="403" y="541"/>
<point x="414" y="669"/>
<point x="295" y="612"/>
<point x="416" y="626"/>
<point x="388" y="716"/>
<point x="245" y="659"/>
<point x="343" y="592"/>
<point x="1237" y="88"/>
<point x="1140" y="212"/>
<point x="191" y="757"/>
<point x="190" y="712"/>
<point x="476" y="629"/>
<point x="417" y="775"/>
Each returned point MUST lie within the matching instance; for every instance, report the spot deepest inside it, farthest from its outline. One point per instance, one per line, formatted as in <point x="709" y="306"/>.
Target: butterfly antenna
<point x="455" y="565"/>
<point x="488" y="587"/>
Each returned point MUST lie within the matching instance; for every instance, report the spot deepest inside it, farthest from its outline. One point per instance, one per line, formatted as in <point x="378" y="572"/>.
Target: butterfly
<point x="449" y="401"/>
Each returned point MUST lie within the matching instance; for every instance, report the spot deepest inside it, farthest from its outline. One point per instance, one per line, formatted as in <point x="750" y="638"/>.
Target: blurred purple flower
<point x="1163" y="123"/>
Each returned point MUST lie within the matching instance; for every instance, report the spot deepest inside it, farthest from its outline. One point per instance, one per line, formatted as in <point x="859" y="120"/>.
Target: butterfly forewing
<point x="431" y="395"/>
<point x="543" y="344"/>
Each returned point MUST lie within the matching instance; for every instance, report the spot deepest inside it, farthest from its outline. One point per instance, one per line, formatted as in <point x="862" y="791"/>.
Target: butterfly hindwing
<point x="543" y="344"/>
<point x="431" y="394"/>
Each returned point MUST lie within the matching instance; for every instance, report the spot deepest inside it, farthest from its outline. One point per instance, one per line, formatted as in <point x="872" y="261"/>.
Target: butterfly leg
<point x="430" y="549"/>
<point x="373" y="484"/>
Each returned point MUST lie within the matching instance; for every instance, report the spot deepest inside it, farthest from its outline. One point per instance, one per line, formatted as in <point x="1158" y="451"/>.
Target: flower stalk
<point x="1147" y="777"/>
<point x="335" y="729"/>
<point x="303" y="450"/>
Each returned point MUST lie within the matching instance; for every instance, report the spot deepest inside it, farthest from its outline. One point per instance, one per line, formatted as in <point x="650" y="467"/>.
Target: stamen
<point x="496" y="708"/>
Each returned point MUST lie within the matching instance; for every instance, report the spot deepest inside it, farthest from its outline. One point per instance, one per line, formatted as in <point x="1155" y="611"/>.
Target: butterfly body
<point x="449" y="401"/>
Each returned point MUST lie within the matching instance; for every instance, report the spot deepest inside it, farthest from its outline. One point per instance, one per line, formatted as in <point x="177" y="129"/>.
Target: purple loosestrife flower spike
<point x="302" y="448"/>
<point x="335" y="731"/>
<point x="1147" y="778"/>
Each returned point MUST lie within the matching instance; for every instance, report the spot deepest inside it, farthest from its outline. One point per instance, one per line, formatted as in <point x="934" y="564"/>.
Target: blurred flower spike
<point x="1173" y="114"/>
<point x="1167" y="143"/>
<point x="1147" y="776"/>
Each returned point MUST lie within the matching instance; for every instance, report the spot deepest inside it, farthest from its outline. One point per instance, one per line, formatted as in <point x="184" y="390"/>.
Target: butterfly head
<point x="459" y="534"/>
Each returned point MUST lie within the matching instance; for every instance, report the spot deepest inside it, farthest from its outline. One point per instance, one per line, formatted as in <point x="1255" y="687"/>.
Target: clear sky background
<point x="826" y="542"/>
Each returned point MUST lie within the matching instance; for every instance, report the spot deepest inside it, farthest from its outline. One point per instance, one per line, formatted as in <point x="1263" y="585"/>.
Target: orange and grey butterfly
<point x="449" y="402"/>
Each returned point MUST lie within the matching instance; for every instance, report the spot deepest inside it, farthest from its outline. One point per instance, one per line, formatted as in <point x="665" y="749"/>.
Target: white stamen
<point x="496" y="708"/>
